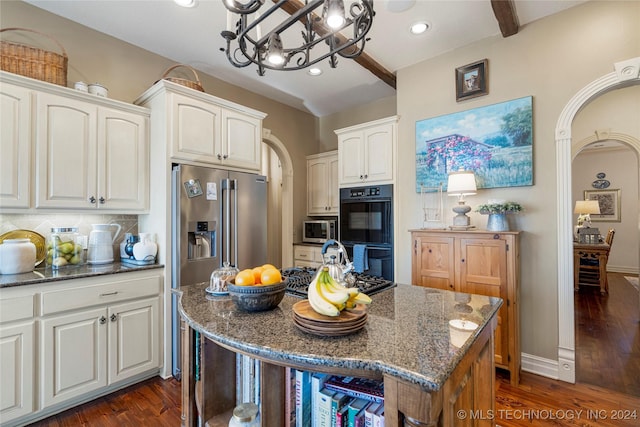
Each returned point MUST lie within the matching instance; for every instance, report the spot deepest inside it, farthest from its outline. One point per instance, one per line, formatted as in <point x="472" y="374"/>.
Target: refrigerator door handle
<point x="234" y="183"/>
<point x="226" y="216"/>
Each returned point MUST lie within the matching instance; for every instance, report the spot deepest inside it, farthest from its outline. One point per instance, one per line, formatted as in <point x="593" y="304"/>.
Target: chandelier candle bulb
<point x="230" y="21"/>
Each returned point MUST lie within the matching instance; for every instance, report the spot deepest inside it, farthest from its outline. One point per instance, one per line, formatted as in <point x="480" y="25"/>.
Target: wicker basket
<point x="34" y="62"/>
<point x="184" y="82"/>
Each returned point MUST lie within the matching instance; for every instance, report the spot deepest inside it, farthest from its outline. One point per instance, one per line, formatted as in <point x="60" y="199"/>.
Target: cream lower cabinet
<point x="476" y="262"/>
<point x="66" y="342"/>
<point x="311" y="255"/>
<point x="16" y="370"/>
<point x="323" y="192"/>
<point x="91" y="349"/>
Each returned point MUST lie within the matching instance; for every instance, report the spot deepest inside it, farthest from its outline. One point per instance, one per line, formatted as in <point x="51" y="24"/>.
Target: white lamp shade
<point x="462" y="183"/>
<point x="587" y="207"/>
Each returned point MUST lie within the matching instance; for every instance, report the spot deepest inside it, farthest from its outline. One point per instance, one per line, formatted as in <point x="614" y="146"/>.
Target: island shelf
<point x="407" y="343"/>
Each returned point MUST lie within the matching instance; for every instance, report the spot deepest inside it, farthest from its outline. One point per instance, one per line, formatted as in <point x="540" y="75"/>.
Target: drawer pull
<point x="114" y="317"/>
<point x="109" y="293"/>
<point x="103" y="320"/>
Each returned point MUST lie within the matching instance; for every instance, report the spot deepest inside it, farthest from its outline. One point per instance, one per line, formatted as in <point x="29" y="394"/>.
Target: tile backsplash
<point x="42" y="223"/>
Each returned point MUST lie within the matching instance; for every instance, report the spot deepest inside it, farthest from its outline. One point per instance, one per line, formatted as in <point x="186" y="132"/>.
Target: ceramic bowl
<point x="258" y="297"/>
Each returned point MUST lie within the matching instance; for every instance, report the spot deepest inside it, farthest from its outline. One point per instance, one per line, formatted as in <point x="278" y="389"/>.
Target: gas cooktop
<point x="300" y="277"/>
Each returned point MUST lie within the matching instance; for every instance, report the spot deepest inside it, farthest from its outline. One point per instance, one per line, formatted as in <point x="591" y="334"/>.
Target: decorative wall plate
<point x="600" y="183"/>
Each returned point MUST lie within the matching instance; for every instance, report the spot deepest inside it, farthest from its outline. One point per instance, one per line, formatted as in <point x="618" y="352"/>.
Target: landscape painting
<point x="494" y="141"/>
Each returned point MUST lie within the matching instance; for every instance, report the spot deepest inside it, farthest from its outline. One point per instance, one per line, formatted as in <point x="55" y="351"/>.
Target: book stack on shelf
<point x="321" y="400"/>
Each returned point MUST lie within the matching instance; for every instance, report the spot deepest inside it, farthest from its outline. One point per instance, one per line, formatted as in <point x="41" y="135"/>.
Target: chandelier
<point x="328" y="33"/>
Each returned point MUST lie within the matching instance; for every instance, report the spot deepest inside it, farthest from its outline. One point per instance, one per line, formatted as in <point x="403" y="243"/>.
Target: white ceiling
<point x="192" y="36"/>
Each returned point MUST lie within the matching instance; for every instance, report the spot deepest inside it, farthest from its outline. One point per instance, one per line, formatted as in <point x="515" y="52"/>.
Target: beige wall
<point x="379" y="109"/>
<point x="127" y="71"/>
<point x="551" y="60"/>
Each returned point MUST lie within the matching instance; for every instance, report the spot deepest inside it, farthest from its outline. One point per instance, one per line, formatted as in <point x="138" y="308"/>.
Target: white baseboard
<point x="622" y="269"/>
<point x="539" y="366"/>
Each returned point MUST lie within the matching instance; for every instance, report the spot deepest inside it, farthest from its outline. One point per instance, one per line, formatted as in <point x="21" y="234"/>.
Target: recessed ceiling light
<point x="419" y="27"/>
<point x="315" y="71"/>
<point x="186" y="3"/>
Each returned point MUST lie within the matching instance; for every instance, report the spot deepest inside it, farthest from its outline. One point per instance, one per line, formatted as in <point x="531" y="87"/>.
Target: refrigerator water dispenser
<point x="202" y="239"/>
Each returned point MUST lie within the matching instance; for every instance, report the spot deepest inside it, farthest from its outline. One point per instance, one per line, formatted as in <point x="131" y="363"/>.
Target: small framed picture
<point x="471" y="80"/>
<point x="609" y="201"/>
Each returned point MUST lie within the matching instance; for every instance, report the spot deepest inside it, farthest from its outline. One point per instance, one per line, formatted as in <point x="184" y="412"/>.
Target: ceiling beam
<point x="367" y="62"/>
<point x="505" y="13"/>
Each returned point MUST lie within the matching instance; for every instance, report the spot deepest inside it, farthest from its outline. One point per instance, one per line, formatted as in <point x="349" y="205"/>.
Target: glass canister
<point x="245" y="415"/>
<point x="65" y="247"/>
<point x="220" y="277"/>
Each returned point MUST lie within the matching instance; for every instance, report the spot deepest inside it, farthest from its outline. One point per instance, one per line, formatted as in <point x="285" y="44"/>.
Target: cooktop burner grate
<point x="300" y="277"/>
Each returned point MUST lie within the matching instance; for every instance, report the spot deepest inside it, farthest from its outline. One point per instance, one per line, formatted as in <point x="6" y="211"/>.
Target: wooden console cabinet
<point x="475" y="262"/>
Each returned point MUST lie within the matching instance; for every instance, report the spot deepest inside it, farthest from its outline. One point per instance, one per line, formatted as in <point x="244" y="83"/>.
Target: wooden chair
<point x="589" y="272"/>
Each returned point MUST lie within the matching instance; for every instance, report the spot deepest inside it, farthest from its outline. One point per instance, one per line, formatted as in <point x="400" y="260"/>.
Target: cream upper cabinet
<point x="367" y="153"/>
<point x="322" y="184"/>
<point x="206" y="130"/>
<point x="197" y="130"/>
<point x="15" y="146"/>
<point x="242" y="140"/>
<point x="90" y="157"/>
<point x="89" y="152"/>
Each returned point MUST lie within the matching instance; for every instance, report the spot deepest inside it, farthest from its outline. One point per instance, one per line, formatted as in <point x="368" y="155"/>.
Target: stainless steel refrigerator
<point x="217" y="216"/>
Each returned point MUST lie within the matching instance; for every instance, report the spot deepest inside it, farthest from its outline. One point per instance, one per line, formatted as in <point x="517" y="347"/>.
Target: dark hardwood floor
<point x="608" y="336"/>
<point x="154" y="402"/>
<point x="607" y="393"/>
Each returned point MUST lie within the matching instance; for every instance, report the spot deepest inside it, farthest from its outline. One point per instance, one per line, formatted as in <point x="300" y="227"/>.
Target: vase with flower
<point x="497" y="211"/>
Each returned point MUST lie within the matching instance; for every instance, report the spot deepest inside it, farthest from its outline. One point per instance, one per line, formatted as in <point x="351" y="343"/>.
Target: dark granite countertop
<point x="42" y="275"/>
<point x="407" y="333"/>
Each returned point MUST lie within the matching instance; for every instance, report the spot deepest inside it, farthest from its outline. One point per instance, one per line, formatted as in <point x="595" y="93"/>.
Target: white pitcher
<point x="101" y="243"/>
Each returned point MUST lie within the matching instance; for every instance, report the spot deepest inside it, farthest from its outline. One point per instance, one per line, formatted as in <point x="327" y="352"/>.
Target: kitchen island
<point x="407" y="342"/>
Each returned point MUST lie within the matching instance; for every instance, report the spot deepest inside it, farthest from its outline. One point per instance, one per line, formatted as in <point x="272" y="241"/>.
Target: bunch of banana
<point x="328" y="297"/>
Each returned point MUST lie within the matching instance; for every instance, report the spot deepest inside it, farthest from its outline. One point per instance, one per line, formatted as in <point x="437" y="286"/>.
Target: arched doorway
<point x="287" y="194"/>
<point x="626" y="73"/>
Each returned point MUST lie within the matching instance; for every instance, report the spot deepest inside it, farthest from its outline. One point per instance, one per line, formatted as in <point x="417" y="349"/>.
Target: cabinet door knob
<point x="102" y="200"/>
<point x="219" y="156"/>
<point x="92" y="199"/>
<point x="361" y="177"/>
<point x="366" y="176"/>
<point x="103" y="320"/>
<point x="429" y="250"/>
<point x="462" y="260"/>
<point x="225" y="156"/>
<point x="113" y="317"/>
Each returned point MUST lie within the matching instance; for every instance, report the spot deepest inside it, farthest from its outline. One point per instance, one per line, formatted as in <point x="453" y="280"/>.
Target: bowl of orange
<point x="264" y="295"/>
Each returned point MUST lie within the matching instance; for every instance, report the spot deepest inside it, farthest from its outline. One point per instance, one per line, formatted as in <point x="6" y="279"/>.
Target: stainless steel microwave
<point x="318" y="231"/>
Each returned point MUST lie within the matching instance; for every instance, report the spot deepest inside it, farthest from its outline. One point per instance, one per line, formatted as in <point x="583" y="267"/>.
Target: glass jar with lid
<point x="220" y="277"/>
<point x="245" y="415"/>
<point x="65" y="247"/>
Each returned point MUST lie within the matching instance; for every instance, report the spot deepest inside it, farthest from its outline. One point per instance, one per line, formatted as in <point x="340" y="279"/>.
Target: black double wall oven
<point x="366" y="218"/>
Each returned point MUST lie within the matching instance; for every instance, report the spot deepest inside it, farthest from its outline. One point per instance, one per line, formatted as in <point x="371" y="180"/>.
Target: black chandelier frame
<point x="249" y="50"/>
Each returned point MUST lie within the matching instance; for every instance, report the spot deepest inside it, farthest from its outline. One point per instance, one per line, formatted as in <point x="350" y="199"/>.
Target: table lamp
<point x="461" y="183"/>
<point x="584" y="208"/>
